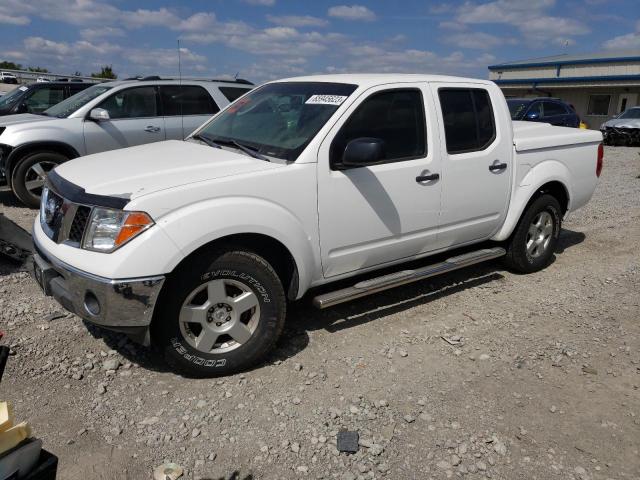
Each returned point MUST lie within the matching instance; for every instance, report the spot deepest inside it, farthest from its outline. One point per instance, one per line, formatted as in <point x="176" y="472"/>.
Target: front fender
<point x="540" y="174"/>
<point x="198" y="224"/>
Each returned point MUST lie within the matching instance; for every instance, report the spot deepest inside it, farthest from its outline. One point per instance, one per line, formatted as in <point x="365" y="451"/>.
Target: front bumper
<point x="125" y="305"/>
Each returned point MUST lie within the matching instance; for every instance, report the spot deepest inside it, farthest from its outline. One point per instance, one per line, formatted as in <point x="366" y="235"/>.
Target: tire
<point x="238" y="307"/>
<point x="534" y="240"/>
<point x="28" y="175"/>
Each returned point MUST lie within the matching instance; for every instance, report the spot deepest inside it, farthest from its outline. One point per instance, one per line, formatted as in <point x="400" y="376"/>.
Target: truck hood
<point x="9" y="120"/>
<point x="622" y="123"/>
<point x="136" y="171"/>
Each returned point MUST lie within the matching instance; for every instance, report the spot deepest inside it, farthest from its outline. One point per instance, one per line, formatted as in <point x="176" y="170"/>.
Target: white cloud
<point x="352" y="12"/>
<point x="624" y="42"/>
<point x="261" y="3"/>
<point x="455" y="26"/>
<point x="101" y="32"/>
<point x="528" y="16"/>
<point x="476" y="40"/>
<point x="198" y="22"/>
<point x="71" y="56"/>
<point x="297" y="20"/>
<point x="629" y="41"/>
<point x="14" y="19"/>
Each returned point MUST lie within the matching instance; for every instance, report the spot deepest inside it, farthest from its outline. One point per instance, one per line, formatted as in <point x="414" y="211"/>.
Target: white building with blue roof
<point x="598" y="85"/>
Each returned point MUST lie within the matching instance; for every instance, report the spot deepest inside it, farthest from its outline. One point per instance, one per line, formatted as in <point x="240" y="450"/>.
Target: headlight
<point x="109" y="229"/>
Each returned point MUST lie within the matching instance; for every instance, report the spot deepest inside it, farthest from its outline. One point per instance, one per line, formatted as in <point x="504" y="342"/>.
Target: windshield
<point x="279" y="119"/>
<point x="517" y="108"/>
<point x="10" y="98"/>
<point x="631" y="113"/>
<point x="73" y="103"/>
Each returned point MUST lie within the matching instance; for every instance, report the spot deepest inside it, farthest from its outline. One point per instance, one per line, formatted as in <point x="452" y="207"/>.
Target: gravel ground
<point x="480" y="374"/>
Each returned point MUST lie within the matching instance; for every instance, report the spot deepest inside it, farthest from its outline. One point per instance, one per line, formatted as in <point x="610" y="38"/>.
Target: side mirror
<point x="99" y="115"/>
<point x="362" y="152"/>
<point x="533" y="115"/>
<point x="22" y="108"/>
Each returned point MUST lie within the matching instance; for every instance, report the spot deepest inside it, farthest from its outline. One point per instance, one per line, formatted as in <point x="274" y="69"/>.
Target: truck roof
<point x="372" y="79"/>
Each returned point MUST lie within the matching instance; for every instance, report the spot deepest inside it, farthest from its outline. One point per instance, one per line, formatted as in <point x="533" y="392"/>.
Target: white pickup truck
<point x="197" y="246"/>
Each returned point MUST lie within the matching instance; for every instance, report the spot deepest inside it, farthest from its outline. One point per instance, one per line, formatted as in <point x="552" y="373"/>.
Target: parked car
<point x="104" y="117"/>
<point x="197" y="245"/>
<point x="623" y="129"/>
<point x="547" y="110"/>
<point x="37" y="97"/>
<point x="7" y="77"/>
<point x="42" y="80"/>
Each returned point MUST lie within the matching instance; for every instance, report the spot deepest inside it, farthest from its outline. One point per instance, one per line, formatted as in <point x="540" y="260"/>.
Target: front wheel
<point x="223" y="315"/>
<point x="531" y="245"/>
<point x="30" y="174"/>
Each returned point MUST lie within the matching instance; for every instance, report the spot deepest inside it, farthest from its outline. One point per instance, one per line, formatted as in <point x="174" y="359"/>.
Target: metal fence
<point x="25" y="76"/>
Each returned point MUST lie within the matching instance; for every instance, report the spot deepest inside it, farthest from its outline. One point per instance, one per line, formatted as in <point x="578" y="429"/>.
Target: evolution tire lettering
<point x="241" y="276"/>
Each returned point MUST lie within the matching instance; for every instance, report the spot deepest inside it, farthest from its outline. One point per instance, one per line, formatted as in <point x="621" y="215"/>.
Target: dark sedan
<point x="546" y="110"/>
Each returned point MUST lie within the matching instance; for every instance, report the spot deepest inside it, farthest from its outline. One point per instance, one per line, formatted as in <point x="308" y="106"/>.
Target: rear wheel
<point x="223" y="315"/>
<point x="531" y="246"/>
<point x="30" y="174"/>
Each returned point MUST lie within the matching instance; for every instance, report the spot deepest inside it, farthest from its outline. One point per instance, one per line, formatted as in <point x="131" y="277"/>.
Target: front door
<point x="377" y="214"/>
<point x="476" y="163"/>
<point x="626" y="100"/>
<point x="134" y="119"/>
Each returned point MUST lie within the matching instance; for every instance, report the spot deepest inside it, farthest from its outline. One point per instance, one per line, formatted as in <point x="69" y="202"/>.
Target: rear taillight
<point x="599" y="163"/>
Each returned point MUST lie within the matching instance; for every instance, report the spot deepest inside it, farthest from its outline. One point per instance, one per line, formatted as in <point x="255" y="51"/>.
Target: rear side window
<point x="552" y="108"/>
<point x="44" y="98"/>
<point x="233" y="93"/>
<point x="394" y="116"/>
<point x="186" y="100"/>
<point x="468" y="119"/>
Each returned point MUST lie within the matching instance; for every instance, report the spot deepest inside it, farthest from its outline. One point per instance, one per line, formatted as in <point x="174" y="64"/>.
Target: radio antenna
<point x="180" y="87"/>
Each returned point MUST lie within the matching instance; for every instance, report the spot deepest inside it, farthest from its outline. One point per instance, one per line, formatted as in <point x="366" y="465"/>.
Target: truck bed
<point x="532" y="136"/>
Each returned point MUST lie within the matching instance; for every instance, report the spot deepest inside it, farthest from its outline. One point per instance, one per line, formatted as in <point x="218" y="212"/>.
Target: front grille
<point x="62" y="220"/>
<point x="79" y="223"/>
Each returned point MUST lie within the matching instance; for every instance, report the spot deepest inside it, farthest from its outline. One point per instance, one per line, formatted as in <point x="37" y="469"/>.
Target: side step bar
<point x="392" y="280"/>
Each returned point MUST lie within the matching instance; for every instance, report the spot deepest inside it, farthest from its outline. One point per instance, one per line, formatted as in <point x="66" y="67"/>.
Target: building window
<point x="599" y="105"/>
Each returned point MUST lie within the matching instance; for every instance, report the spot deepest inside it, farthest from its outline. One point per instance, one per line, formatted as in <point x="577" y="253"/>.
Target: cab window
<point x="469" y="124"/>
<point x="394" y="116"/>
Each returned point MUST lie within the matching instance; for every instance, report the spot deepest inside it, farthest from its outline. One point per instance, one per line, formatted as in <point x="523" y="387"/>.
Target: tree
<point x="38" y="69"/>
<point x="106" y="72"/>
<point x="10" y="66"/>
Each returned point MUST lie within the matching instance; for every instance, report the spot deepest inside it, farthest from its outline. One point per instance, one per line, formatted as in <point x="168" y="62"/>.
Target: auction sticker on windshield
<point x="326" y="99"/>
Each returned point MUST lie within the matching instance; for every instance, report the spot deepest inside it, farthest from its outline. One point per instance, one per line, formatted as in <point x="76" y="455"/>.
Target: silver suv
<point x="104" y="117"/>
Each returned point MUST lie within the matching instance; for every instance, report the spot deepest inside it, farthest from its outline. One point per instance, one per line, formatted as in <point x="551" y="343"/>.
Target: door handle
<point x="152" y="129"/>
<point x="427" y="178"/>
<point x="497" y="166"/>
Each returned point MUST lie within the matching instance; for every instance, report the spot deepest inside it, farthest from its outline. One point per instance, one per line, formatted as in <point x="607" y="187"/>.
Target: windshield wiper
<point x="252" y="152"/>
<point x="206" y="140"/>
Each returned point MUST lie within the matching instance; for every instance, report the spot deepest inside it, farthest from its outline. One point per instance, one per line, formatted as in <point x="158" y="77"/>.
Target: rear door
<point x="373" y="215"/>
<point x="185" y="108"/>
<point x="476" y="162"/>
<point x="134" y="120"/>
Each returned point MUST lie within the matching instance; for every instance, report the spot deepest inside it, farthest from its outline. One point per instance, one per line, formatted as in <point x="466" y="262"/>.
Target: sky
<point x="267" y="39"/>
